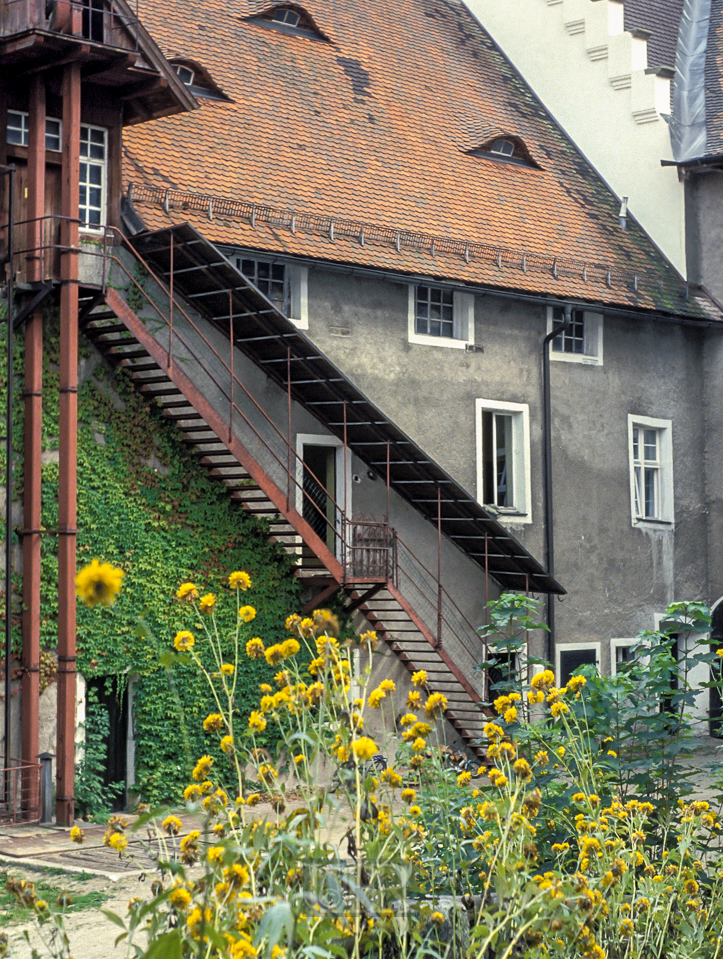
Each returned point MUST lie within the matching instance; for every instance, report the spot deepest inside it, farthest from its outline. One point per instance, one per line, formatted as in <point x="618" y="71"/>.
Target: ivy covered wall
<point x="146" y="505"/>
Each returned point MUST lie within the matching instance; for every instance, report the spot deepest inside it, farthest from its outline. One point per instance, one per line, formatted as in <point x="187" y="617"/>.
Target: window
<point x="92" y="177"/>
<point x="651" y="470"/>
<point x="18" y="128"/>
<point x="572" y="656"/>
<point x="505" y="148"/>
<point x="53" y="134"/>
<point x="581" y="342"/>
<point x="284" y="15"/>
<point x="439" y="316"/>
<point x="185" y="74"/>
<point x="503" y="444"/>
<point x="285" y="284"/>
<point x="620" y="653"/>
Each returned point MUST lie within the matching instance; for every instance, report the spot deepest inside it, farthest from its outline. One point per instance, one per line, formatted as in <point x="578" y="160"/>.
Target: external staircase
<point x="173" y="357"/>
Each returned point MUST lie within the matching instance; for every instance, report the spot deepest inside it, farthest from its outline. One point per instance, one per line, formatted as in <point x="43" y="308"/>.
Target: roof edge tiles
<point x="605" y="282"/>
<point x="204" y="274"/>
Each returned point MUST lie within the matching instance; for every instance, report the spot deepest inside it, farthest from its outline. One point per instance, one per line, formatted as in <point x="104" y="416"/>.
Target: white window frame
<point x="296" y="278"/>
<point x="592" y="354"/>
<point x="615" y="645"/>
<point x="85" y="227"/>
<point x="572" y="647"/>
<point x="25" y="130"/>
<point x="342" y="496"/>
<point x="521" y="512"/>
<point x="463" y="320"/>
<point x="666" y="492"/>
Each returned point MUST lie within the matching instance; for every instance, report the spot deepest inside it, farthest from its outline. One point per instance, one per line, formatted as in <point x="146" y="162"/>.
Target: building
<point x="360" y="505"/>
<point x="401" y="192"/>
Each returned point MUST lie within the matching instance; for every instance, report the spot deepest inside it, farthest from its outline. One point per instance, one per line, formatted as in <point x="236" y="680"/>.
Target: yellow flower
<point x="415" y="811"/>
<point x="436" y="704"/>
<point x="369" y="637"/>
<point x="364" y="748"/>
<point x="239" y="580"/>
<point x="557" y="709"/>
<point x="202" y="768"/>
<point x="719" y="652"/>
<point x="437" y="918"/>
<point x="409" y="795"/>
<point x="419" y="678"/>
<point x="274" y="654"/>
<point x="419" y="745"/>
<point x="560" y="847"/>
<point x="392" y="778"/>
<point x="227" y="744"/>
<point x="98" y="584"/>
<point x="213" y="723"/>
<point x="227" y="669"/>
<point x="247" y="613"/>
<point x="191" y="793"/>
<point x="255" y="648"/>
<point x="414" y="699"/>
<point x="375" y="698"/>
<point x="575" y="683"/>
<point x="464" y="779"/>
<point x="293" y="622"/>
<point x="180" y="898"/>
<point x="290" y="647"/>
<point x="267" y="774"/>
<point x="510" y="714"/>
<point x="253" y="799"/>
<point x="171" y="825"/>
<point x="690" y="887"/>
<point x="206" y="603"/>
<point x="493" y="731"/>
<point x="257" y="723"/>
<point x="522" y="770"/>
<point x="545" y="678"/>
<point x="77" y="835"/>
<point x="387" y="685"/>
<point x="187" y="591"/>
<point x="183" y="641"/>
<point x="118" y="842"/>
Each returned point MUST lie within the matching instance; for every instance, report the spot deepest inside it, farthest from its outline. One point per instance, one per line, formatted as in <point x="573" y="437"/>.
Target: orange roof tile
<point x="353" y="150"/>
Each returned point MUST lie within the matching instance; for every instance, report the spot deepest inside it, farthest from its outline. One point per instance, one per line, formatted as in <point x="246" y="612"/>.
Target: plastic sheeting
<point x="688" y="133"/>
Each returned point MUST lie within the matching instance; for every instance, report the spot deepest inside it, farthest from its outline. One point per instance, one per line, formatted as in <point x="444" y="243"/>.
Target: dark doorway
<point x="319" y="484"/>
<point x="110" y="693"/>
<point x="93" y="17"/>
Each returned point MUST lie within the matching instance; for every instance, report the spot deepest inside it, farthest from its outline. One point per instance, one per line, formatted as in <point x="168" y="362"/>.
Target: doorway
<point x="107" y="697"/>
<point x="320" y="490"/>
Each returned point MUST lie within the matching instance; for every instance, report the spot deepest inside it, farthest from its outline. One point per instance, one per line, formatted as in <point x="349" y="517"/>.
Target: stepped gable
<point x="661" y="18"/>
<point x="368" y="122"/>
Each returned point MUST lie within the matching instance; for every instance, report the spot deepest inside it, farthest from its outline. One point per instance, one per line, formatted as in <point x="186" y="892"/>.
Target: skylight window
<point x="198" y="80"/>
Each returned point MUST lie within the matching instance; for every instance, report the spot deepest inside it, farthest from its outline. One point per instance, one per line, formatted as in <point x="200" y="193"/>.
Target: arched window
<point x="289" y="18"/>
<point x="507" y="148"/>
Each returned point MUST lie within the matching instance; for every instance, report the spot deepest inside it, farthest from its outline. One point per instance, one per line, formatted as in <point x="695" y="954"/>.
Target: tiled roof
<point x="662" y="19"/>
<point x="369" y="130"/>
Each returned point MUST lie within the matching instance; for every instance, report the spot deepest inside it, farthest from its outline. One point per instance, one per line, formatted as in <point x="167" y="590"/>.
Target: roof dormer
<point x="505" y="147"/>
<point x="197" y="79"/>
<point x="290" y="18"/>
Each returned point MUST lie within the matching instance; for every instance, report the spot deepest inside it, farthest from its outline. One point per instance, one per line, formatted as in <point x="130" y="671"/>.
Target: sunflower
<point x="98" y="584"/>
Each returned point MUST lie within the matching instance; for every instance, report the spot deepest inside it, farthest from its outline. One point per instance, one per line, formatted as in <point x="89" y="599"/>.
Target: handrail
<point x="299" y="461"/>
<point x="229" y="369"/>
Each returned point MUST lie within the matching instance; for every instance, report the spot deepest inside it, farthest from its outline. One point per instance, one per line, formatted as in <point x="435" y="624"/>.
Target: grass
<point x="12" y="911"/>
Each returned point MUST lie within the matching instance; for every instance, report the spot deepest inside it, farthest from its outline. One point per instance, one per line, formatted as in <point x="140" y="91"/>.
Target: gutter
<point x="547" y="473"/>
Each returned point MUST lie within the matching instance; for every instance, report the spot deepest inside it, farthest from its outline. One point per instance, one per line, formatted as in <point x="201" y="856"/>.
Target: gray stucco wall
<point x="618" y="576"/>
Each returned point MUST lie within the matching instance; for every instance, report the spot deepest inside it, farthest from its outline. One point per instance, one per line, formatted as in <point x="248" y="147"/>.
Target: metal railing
<point x="100" y="21"/>
<point x="370" y="551"/>
<point x="20" y="796"/>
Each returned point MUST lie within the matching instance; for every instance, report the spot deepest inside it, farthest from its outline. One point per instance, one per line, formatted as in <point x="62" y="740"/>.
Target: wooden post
<point x="68" y="476"/>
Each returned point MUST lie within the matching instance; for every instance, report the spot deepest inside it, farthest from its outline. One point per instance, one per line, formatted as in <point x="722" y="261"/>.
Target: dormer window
<point x="198" y="80"/>
<point x="289" y="18"/>
<point x="284" y="15"/>
<point x="507" y="149"/>
<point x="185" y="74"/>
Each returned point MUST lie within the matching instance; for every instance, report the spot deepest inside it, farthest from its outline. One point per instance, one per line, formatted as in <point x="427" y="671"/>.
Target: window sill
<point x="640" y="522"/>
<point x="421" y="339"/>
<point x="299" y="324"/>
<point x="582" y="358"/>
<point x="509" y="516"/>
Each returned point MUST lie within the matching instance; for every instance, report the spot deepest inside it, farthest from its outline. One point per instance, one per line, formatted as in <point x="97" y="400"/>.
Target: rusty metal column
<point x="67" y="505"/>
<point x="439" y="566"/>
<point x="30" y="721"/>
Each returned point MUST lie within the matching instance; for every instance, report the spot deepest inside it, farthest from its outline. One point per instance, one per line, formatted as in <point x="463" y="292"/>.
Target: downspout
<point x="547" y="460"/>
<point x="10" y="172"/>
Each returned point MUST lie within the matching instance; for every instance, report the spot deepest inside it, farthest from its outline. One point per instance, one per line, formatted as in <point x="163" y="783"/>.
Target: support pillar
<point x="67" y="486"/>
<point x="30" y="709"/>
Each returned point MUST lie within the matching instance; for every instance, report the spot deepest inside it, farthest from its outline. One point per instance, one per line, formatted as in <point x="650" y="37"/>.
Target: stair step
<point x="94" y="331"/>
<point x="181" y="404"/>
<point x="171" y="415"/>
<point x="130" y="354"/>
<point x="204" y="428"/>
<point x="142" y="381"/>
<point x="170" y="390"/>
<point x="141" y="367"/>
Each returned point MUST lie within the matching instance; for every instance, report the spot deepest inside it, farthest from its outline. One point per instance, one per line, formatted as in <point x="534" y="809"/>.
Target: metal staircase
<point x="182" y="362"/>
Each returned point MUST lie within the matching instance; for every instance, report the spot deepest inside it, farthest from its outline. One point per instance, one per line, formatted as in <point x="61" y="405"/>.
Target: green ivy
<point x="146" y="505"/>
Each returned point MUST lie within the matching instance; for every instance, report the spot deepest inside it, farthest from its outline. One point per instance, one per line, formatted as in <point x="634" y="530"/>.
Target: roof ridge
<point x="525" y="261"/>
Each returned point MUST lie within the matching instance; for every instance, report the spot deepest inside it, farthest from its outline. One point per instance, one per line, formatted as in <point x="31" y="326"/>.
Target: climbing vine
<point x="146" y="505"/>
